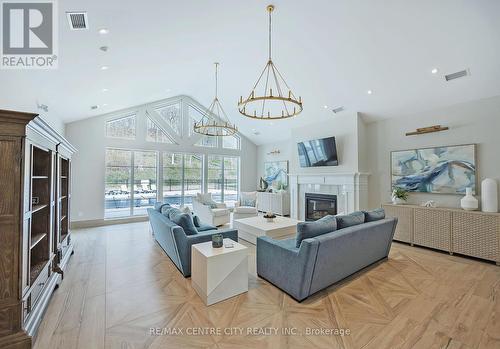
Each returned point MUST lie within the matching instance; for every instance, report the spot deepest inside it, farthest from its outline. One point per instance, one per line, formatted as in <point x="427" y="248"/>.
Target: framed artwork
<point x="276" y="172"/>
<point x="441" y="170"/>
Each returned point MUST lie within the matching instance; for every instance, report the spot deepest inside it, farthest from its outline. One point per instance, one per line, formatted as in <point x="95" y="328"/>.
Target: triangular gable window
<point x="156" y="134"/>
<point x="171" y="114"/>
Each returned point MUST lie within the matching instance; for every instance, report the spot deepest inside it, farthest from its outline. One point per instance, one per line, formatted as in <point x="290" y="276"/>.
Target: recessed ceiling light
<point x="104" y="31"/>
<point x="104" y="48"/>
<point x="105" y="105"/>
<point x="325" y="106"/>
<point x="94" y="107"/>
<point x="104" y="67"/>
<point x="434" y="70"/>
<point x="369" y="92"/>
<point x="105" y="90"/>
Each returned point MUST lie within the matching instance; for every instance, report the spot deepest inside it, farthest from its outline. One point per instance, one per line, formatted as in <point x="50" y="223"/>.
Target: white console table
<point x="278" y="203"/>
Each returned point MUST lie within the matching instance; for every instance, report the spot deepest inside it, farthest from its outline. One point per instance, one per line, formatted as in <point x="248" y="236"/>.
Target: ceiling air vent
<point x="78" y="20"/>
<point x="458" y="74"/>
<point x="337" y="110"/>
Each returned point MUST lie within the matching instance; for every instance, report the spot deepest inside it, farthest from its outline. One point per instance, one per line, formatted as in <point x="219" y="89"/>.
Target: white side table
<point x="219" y="273"/>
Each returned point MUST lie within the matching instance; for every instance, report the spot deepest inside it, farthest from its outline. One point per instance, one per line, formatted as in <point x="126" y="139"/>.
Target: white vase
<point x="489" y="195"/>
<point x="397" y="201"/>
<point x="469" y="202"/>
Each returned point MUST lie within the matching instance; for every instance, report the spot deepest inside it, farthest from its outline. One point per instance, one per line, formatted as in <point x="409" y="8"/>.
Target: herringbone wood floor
<point x="120" y="283"/>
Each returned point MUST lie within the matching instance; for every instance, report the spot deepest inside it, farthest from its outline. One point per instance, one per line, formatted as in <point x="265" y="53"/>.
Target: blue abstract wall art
<point x="442" y="170"/>
<point x="276" y="172"/>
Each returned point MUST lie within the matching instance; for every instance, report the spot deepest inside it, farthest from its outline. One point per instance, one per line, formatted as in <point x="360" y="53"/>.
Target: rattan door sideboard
<point x="470" y="233"/>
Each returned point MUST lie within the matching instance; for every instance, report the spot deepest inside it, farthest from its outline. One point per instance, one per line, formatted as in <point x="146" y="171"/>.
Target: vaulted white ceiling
<point x="331" y="52"/>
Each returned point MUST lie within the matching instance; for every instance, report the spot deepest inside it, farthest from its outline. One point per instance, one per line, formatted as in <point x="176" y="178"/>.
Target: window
<point x="118" y="180"/>
<point x="231" y="179"/>
<point x="123" y="127"/>
<point x="172" y="178"/>
<point x="182" y="177"/>
<point x="171" y="114"/>
<point x="214" y="180"/>
<point x="156" y="134"/>
<point x="144" y="181"/>
<point x="193" y="177"/>
<point x="223" y="178"/>
<point x="231" y="142"/>
<point x="124" y="167"/>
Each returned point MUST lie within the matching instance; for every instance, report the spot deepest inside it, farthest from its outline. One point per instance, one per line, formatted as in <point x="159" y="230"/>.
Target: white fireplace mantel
<point x="353" y="186"/>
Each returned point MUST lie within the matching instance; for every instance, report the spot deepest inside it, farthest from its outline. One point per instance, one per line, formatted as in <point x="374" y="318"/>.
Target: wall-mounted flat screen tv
<point x="318" y="152"/>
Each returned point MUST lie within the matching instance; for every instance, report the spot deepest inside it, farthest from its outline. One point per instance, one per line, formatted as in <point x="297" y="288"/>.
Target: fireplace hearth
<point x="320" y="205"/>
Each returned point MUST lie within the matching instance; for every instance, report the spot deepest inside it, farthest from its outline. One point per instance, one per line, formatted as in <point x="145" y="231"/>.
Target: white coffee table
<point x="251" y="228"/>
<point x="219" y="273"/>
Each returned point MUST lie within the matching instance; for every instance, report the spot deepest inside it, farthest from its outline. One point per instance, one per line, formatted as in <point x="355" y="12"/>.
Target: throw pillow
<point x="185" y="221"/>
<point x="159" y="205"/>
<point x="165" y="210"/>
<point x="248" y="199"/>
<point x="306" y="230"/>
<point x="349" y="220"/>
<point x="374" y="215"/>
<point x="196" y="221"/>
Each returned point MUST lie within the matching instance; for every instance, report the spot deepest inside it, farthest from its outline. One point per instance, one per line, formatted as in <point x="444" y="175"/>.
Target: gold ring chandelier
<point x="272" y="104"/>
<point x="214" y="121"/>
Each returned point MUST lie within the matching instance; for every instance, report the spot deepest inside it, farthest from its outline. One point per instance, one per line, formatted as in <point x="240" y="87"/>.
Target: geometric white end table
<point x="219" y="273"/>
<point x="250" y="229"/>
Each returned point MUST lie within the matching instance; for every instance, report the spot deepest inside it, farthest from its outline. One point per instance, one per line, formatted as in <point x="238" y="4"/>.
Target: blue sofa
<point x="325" y="259"/>
<point x="174" y="241"/>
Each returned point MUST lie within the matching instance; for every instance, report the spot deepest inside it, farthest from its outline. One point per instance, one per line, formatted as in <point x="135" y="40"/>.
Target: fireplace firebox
<point x="320" y="205"/>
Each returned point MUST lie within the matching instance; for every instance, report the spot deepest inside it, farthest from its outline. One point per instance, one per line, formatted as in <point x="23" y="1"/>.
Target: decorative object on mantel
<point x="430" y="204"/>
<point x="217" y="240"/>
<point x="489" y="195"/>
<point x="269" y="216"/>
<point x="214" y="121"/>
<point x="399" y="196"/>
<point x="274" y="152"/>
<point x="429" y="129"/>
<point x="281" y="106"/>
<point x="469" y="202"/>
<point x="441" y="170"/>
<point x="262" y="185"/>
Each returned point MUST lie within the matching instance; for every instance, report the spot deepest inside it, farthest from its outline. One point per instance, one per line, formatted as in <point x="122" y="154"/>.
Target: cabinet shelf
<point x="36" y="208"/>
<point x="40" y="177"/>
<point x="36" y="269"/>
<point x="36" y="239"/>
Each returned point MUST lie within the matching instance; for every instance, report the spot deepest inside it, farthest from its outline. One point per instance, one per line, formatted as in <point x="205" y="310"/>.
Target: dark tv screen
<point x="318" y="152"/>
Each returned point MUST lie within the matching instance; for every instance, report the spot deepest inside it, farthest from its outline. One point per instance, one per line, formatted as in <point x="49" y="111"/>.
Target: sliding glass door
<point x="223" y="178"/>
<point x="118" y="183"/>
<point x="145" y="181"/>
<point x="231" y="172"/>
<point x="124" y="168"/>
<point x="172" y="178"/>
<point x="182" y="177"/>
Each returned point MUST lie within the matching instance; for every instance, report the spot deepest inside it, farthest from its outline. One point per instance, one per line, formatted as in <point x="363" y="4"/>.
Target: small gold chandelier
<point x="268" y="106"/>
<point x="214" y="121"/>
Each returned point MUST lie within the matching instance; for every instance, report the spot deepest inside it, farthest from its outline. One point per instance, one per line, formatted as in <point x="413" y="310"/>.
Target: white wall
<point x="344" y="127"/>
<point x="472" y="122"/>
<point x="88" y="163"/>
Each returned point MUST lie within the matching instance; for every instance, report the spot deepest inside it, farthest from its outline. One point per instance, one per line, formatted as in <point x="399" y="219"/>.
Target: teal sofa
<point x="325" y="259"/>
<point x="174" y="241"/>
